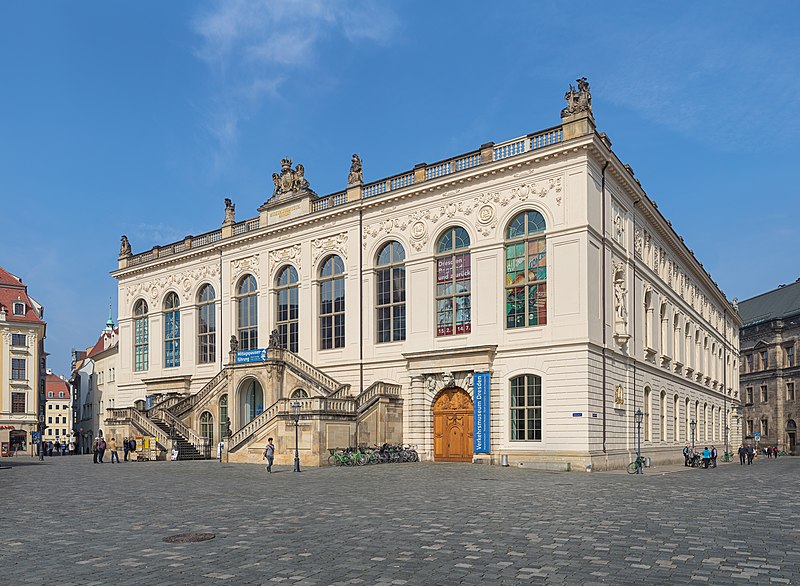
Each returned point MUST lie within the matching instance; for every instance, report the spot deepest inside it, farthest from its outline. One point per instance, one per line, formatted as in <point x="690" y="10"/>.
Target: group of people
<point x="99" y="447"/>
<point x="57" y="448"/>
<point x="748" y="453"/>
<point x="692" y="456"/>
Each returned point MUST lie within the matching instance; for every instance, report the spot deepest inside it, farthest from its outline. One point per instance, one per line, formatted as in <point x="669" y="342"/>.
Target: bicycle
<point x="727" y="457"/>
<point x="636" y="465"/>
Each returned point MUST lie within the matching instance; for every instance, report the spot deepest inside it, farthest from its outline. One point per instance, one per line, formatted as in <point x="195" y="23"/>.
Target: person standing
<point x="125" y="449"/>
<point x="686" y="453"/>
<point x="269" y="454"/>
<point x="101" y="450"/>
<point x="95" y="449"/>
<point x="112" y="447"/>
<point x="751" y="453"/>
<point x="742" y="454"/>
<point x="713" y="457"/>
<point x="132" y="448"/>
<point x="706" y="457"/>
<point x="58" y="447"/>
<point x="41" y="449"/>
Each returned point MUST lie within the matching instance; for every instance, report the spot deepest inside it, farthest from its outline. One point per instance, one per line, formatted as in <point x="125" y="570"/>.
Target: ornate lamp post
<point x="693" y="426"/>
<point x="296" y="415"/>
<point x="638" y="416"/>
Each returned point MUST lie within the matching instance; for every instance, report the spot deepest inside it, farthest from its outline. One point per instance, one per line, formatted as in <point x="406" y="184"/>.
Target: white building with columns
<point x="539" y="262"/>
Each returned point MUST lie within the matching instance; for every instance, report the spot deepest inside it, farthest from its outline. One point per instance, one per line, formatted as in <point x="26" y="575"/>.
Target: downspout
<point x="221" y="311"/>
<point x="633" y="306"/>
<point x="725" y="376"/>
<point x="603" y="269"/>
<point x="360" y="298"/>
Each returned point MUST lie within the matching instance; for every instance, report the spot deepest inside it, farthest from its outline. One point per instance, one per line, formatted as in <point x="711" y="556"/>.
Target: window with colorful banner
<point x="453" y="290"/>
<point x="172" y="331"/>
<point x="526" y="271"/>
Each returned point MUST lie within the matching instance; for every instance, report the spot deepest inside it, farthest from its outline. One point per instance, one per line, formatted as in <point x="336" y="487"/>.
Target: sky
<point x="140" y="117"/>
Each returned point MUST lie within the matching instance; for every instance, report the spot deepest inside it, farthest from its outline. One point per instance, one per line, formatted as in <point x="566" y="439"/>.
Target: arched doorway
<point x="791" y="436"/>
<point x="452" y="426"/>
<point x="251" y="401"/>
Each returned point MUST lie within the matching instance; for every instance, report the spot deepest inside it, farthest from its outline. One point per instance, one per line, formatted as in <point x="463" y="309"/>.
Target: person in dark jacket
<point x="686" y="453"/>
<point x="742" y="454"/>
<point x="751" y="453"/>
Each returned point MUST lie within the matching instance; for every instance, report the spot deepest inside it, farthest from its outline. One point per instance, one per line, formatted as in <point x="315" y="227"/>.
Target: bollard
<point x="504" y="460"/>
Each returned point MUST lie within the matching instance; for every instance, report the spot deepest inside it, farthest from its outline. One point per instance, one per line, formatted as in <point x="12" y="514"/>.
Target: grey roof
<point x="779" y="303"/>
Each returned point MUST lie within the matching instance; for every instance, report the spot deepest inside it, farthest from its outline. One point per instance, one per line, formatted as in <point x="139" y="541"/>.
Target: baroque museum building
<point x="524" y="299"/>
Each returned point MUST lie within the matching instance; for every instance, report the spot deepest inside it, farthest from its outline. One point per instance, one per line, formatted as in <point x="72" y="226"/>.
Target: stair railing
<point x="200" y="443"/>
<point x="187" y="403"/>
<point x="140" y="421"/>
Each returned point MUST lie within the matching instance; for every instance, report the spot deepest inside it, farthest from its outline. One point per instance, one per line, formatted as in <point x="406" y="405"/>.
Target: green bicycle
<point x="636" y="465"/>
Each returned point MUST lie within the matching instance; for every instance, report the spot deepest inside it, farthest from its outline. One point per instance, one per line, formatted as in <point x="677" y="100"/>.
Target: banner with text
<point x="246" y="356"/>
<point x="480" y="387"/>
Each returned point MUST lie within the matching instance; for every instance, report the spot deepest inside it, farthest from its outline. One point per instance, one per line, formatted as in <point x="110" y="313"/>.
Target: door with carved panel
<point x="452" y="426"/>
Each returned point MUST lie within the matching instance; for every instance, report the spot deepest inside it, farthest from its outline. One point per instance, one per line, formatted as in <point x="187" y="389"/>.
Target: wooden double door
<point x="452" y="426"/>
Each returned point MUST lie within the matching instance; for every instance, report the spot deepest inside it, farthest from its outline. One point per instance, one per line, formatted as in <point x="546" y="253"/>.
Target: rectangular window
<point x="790" y="356"/>
<point x="17" y="339"/>
<point x="763" y="357"/>
<point x="141" y="344"/>
<point x="748" y="393"/>
<point x="18" y="369"/>
<point x="749" y="427"/>
<point x="764" y="428"/>
<point x="790" y="391"/>
<point x="526" y="408"/>
<point x="18" y="402"/>
<point x="749" y="358"/>
<point x="763" y="393"/>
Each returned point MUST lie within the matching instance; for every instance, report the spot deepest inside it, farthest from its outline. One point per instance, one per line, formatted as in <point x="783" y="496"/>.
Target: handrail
<point x="186" y="403"/>
<point x="330" y="384"/>
<point x="199" y="442"/>
<point x="376" y="389"/>
<point x="140" y="421"/>
<point x="166" y="403"/>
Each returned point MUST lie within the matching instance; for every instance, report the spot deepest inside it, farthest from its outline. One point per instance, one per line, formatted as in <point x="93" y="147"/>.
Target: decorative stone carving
<point x="289" y="179"/>
<point x="539" y="189"/>
<point x="125" y="247"/>
<point x="337" y="244"/>
<point x="619" y="396"/>
<point x="735" y="304"/>
<point x="638" y="242"/>
<point x="184" y="280"/>
<point x="249" y="264"/>
<point x="275" y="339"/>
<point x="620" y="304"/>
<point x="280" y="257"/>
<point x="230" y="213"/>
<point x="234" y="343"/>
<point x="618" y="216"/>
<point x="356" y="175"/>
<point x="578" y="100"/>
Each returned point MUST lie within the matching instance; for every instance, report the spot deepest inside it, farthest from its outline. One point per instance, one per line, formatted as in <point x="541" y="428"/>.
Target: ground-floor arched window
<point x="207" y="426"/>
<point x="252" y="401"/>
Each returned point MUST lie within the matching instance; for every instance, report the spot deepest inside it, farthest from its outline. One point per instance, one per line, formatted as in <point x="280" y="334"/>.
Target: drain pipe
<point x="605" y="335"/>
<point x="360" y="298"/>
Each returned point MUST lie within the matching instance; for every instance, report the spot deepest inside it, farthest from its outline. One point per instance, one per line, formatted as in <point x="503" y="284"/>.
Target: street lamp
<point x="693" y="426"/>
<point x="638" y="416"/>
<point x="296" y="407"/>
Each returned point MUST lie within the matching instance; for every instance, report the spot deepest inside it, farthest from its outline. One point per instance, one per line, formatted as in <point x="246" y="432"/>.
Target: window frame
<point x="288" y="327"/>
<point x="531" y="406"/>
<point x="247" y="333"/>
<point x="16" y="306"/>
<point x="206" y="310"/>
<point x="332" y="321"/>
<point x="172" y="330"/>
<point x="18" y="398"/>
<point x="391" y="272"/>
<point x="19" y="369"/>
<point x="529" y="236"/>
<point x="141" y="336"/>
<point x="455" y="254"/>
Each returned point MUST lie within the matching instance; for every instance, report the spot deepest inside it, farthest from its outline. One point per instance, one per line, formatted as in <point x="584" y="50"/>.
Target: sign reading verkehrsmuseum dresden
<point x="245" y="356"/>
<point x="480" y="387"/>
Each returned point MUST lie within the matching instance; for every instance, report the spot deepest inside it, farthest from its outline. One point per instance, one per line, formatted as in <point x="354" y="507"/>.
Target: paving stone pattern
<point x="68" y="521"/>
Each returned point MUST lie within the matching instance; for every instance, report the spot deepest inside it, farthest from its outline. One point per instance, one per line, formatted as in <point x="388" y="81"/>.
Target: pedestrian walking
<point x="95" y="450"/>
<point x="58" y="447"/>
<point x="132" y="443"/>
<point x="112" y="447"/>
<point x="713" y="457"/>
<point x="71" y="448"/>
<point x="101" y="450"/>
<point x="706" y="457"/>
<point x="751" y="453"/>
<point x="742" y="454"/>
<point x="41" y="449"/>
<point x="269" y="454"/>
<point x="686" y="453"/>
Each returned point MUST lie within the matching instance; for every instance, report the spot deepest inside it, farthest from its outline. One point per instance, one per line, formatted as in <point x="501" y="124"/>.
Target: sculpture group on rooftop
<point x="289" y="179"/>
<point x="578" y="100"/>
<point x="356" y="175"/>
<point x="125" y="247"/>
<point x="230" y="212"/>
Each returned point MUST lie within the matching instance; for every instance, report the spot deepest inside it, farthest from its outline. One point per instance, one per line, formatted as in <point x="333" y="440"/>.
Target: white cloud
<point x="251" y="47"/>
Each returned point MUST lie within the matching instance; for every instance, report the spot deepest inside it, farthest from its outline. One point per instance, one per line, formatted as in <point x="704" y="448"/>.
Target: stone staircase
<point x="186" y="450"/>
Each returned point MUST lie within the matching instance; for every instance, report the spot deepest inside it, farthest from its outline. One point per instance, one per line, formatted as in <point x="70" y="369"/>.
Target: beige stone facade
<point x="539" y="260"/>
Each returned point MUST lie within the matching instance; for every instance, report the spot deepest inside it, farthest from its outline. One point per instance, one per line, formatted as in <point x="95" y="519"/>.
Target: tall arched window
<point x="247" y="318"/>
<point x="206" y="325"/>
<point x="141" y="336"/>
<point x="526" y="271"/>
<point x="207" y="426"/>
<point x="287" y="291"/>
<point x="648" y="319"/>
<point x="675" y="424"/>
<point x="646" y="420"/>
<point x="223" y="416"/>
<point x="391" y="293"/>
<point x="662" y="415"/>
<point x="453" y="291"/>
<point x="331" y="303"/>
<point x="172" y="331"/>
<point x="664" y="342"/>
<point x="526" y="408"/>
<point x="687" y="432"/>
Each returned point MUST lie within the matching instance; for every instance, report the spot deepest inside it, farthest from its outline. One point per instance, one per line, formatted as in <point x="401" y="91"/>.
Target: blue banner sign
<point x="480" y="436"/>
<point x="246" y="356"/>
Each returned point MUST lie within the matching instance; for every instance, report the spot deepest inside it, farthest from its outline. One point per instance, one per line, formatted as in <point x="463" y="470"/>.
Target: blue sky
<point x="141" y="117"/>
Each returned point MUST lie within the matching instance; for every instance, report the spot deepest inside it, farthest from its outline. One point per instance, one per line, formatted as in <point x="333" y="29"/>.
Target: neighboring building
<point x="22" y="364"/>
<point x="94" y="385"/>
<point x="58" y="409"/>
<point x="532" y="282"/>
<point x="769" y="374"/>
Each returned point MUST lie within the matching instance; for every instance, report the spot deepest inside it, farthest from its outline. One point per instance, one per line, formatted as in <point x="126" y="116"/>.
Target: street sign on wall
<point x="482" y="422"/>
<point x="247" y="356"/>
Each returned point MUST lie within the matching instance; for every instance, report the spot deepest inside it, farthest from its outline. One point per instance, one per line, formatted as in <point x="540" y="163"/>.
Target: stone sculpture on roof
<point x="356" y="176"/>
<point x="578" y="100"/>
<point x="125" y="247"/>
<point x="230" y="212"/>
<point x="289" y="179"/>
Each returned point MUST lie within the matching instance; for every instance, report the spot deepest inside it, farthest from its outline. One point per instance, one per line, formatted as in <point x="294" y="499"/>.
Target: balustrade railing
<point x="200" y="443"/>
<point x="377" y="389"/>
<point x="140" y="421"/>
<point x="327" y="383"/>
<point x="186" y="403"/>
<point x="331" y="201"/>
<point x="246" y="226"/>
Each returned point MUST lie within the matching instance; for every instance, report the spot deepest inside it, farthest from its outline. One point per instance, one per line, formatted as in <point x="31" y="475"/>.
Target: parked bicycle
<point x="636" y="465"/>
<point x="361" y="455"/>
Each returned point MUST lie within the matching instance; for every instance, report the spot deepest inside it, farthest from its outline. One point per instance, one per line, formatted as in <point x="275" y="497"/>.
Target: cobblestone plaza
<point x="396" y="524"/>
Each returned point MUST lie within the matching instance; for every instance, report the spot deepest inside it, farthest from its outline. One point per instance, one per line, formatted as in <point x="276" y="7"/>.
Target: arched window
<point x="207" y="426"/>
<point x="687" y="428"/>
<point x="675" y="424"/>
<point x="172" y="331"/>
<point x="299" y="394"/>
<point x="453" y="272"/>
<point x="526" y="271"/>
<point x="662" y="416"/>
<point x="526" y="408"/>
<point x="141" y="336"/>
<point x="648" y="319"/>
<point x="287" y="290"/>
<point x="206" y="325"/>
<point x="705" y="421"/>
<point x="223" y="416"/>
<point x="664" y="330"/>
<point x="331" y="303"/>
<point x="391" y="293"/>
<point x="247" y="318"/>
<point x="251" y="401"/>
<point x="646" y="420"/>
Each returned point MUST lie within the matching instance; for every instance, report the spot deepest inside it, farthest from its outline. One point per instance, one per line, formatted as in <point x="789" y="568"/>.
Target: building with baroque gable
<point x="769" y="372"/>
<point x="22" y="364"/>
<point x="528" y="291"/>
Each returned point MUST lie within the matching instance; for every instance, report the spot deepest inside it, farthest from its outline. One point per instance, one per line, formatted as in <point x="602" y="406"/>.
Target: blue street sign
<point x="482" y="422"/>
<point x="757" y="436"/>
<point x="35" y="435"/>
<point x="247" y="356"/>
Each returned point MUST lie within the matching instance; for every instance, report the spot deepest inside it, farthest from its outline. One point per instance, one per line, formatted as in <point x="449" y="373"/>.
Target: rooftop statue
<point x="125" y="247"/>
<point x="289" y="179"/>
<point x="230" y="212"/>
<point x="356" y="175"/>
<point x="579" y="100"/>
